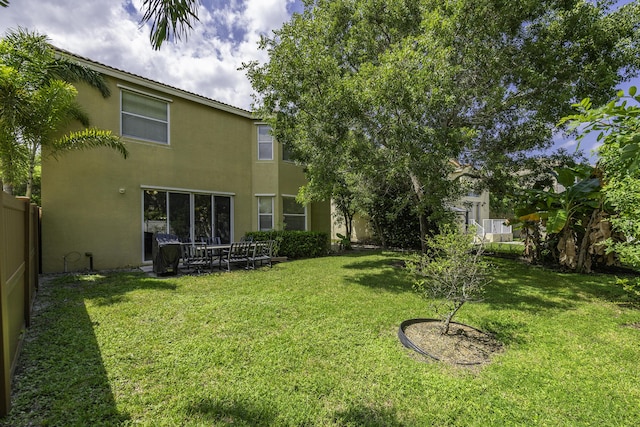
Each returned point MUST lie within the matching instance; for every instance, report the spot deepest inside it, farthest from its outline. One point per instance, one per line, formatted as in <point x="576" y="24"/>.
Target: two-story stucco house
<point x="197" y="168"/>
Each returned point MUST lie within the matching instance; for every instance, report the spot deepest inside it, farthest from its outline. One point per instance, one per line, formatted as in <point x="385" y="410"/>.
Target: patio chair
<point x="195" y="257"/>
<point x="261" y="253"/>
<point x="238" y="254"/>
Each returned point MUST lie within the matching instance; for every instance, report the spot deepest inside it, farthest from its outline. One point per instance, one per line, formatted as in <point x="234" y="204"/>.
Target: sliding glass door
<point x="190" y="216"/>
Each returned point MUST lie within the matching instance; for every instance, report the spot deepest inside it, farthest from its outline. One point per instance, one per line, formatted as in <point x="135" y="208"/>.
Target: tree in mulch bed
<point x="450" y="273"/>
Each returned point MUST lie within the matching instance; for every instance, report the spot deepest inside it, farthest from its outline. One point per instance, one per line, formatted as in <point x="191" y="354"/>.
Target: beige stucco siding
<point x="84" y="209"/>
<point x="93" y="200"/>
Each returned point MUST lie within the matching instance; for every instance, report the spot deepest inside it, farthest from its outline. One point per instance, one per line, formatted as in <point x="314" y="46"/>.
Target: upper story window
<point x="295" y="214"/>
<point x="144" y="117"/>
<point x="265" y="143"/>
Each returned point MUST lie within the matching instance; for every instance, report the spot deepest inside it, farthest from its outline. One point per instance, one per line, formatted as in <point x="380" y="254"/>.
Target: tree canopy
<point x="411" y="85"/>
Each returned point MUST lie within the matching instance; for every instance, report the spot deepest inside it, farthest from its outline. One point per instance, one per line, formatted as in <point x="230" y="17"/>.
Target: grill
<point x="165" y="253"/>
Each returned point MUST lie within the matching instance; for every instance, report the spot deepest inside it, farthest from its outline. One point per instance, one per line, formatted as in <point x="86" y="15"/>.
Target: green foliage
<point x="631" y="287"/>
<point x="169" y="19"/>
<point x="295" y="244"/>
<point x="400" y="88"/>
<point x="345" y="242"/>
<point x="37" y="102"/>
<point x="617" y="125"/>
<point x="450" y="273"/>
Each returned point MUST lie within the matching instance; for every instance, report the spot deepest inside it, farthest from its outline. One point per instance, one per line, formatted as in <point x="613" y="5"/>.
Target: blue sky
<point x="207" y="63"/>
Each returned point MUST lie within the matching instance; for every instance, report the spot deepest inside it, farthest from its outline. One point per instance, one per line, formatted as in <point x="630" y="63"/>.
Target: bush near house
<point x="295" y="244"/>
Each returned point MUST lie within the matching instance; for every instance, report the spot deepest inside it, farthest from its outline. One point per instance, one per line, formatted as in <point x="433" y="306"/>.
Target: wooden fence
<point x="19" y="268"/>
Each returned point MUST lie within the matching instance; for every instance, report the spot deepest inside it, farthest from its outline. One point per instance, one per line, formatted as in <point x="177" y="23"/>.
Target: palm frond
<point x="169" y="18"/>
<point x="72" y="72"/>
<point x="89" y="138"/>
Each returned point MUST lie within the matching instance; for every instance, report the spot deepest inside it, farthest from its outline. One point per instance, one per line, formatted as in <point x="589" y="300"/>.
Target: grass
<point x="314" y="342"/>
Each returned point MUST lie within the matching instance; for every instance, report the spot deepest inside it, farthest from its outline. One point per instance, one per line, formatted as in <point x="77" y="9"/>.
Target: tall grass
<point x="313" y="342"/>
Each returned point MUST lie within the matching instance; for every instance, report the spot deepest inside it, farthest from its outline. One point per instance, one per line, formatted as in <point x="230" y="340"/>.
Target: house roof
<point x="152" y="84"/>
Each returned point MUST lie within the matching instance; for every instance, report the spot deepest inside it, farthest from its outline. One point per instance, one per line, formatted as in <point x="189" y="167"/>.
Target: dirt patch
<point x="463" y="345"/>
<point x="633" y="325"/>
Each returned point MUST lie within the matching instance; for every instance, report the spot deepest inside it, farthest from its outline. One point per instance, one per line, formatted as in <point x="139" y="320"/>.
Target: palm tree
<point x="37" y="100"/>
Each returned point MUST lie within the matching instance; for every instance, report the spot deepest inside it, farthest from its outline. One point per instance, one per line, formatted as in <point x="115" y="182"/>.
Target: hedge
<point x="295" y="244"/>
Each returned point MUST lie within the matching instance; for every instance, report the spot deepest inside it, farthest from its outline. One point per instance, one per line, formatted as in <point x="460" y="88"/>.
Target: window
<point x="295" y="214"/>
<point x="265" y="143"/>
<point x="265" y="213"/>
<point x="144" y="117"/>
<point x="190" y="216"/>
<point x="286" y="153"/>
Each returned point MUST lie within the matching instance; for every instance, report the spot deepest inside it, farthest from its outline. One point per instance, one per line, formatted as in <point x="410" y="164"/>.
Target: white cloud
<point x="206" y="63"/>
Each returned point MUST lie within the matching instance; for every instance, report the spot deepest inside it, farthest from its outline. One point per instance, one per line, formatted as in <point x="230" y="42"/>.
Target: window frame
<point x="124" y="113"/>
<point x="265" y="141"/>
<point x="261" y="214"/>
<point x="302" y="215"/>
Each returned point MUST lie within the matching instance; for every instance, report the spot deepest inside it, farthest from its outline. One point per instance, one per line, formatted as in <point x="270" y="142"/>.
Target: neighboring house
<point x="471" y="210"/>
<point x="197" y="168"/>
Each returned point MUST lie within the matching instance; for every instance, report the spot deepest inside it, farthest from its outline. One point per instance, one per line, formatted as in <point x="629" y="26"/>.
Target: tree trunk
<point x="32" y="167"/>
<point x="583" y="266"/>
<point x="417" y="187"/>
<point x="7" y="188"/>
<point x="446" y="323"/>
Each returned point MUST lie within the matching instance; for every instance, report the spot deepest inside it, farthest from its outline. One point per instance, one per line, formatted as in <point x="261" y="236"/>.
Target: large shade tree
<point x="37" y="102"/>
<point x="418" y="83"/>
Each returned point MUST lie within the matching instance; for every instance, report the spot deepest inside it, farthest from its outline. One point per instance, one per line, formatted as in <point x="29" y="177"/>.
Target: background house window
<point x="295" y="214"/>
<point x="144" y="117"/>
<point x="286" y="153"/>
<point x="265" y="143"/>
<point x="265" y="213"/>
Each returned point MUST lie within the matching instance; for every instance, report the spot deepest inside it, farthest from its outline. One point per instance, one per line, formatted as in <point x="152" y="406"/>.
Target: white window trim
<point x="264" y="142"/>
<point x="148" y="95"/>
<point x="272" y="197"/>
<point x="284" y="214"/>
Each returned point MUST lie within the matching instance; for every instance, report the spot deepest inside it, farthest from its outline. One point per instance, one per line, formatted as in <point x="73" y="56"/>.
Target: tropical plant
<point x="570" y="217"/>
<point x="37" y="101"/>
<point x="450" y="273"/>
<point x="617" y="125"/>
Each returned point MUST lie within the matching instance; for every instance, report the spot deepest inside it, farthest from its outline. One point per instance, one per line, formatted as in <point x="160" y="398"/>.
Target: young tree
<point x="451" y="272"/>
<point x="414" y="84"/>
<point x="37" y="101"/>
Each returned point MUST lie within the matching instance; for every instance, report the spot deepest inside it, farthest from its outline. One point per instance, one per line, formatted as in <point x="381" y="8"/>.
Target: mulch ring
<point x="463" y="345"/>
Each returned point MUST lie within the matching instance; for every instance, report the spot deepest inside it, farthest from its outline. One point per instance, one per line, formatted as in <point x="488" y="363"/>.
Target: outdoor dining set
<point x="199" y="256"/>
<point x="171" y="255"/>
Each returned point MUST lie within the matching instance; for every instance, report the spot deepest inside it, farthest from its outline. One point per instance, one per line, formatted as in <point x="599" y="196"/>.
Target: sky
<point x="109" y="32"/>
<point x="206" y="63"/>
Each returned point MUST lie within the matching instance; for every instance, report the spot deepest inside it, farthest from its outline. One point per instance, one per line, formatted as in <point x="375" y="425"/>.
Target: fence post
<point x="5" y="347"/>
<point x="28" y="264"/>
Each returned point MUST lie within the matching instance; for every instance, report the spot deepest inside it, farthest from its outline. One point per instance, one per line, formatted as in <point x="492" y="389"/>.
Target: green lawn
<point x="314" y="342"/>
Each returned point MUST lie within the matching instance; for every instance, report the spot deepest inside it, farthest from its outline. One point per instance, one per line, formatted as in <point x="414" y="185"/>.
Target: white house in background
<point x="472" y="210"/>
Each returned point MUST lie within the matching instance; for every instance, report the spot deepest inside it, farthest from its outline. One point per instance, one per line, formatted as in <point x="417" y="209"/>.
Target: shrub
<point x="295" y="244"/>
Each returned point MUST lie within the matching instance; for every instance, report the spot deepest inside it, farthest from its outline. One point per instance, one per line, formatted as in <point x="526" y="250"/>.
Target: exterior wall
<point x="93" y="200"/>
